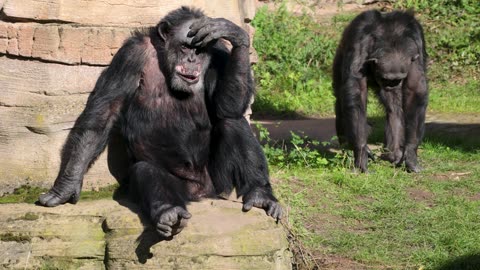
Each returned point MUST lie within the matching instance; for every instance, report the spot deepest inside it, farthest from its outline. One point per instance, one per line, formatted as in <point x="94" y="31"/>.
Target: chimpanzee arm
<point x="234" y="83"/>
<point x="351" y="84"/>
<point x="89" y="135"/>
<point x="236" y="158"/>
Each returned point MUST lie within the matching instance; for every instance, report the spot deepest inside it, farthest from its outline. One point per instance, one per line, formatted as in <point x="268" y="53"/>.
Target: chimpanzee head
<point x="391" y="65"/>
<point x="186" y="65"/>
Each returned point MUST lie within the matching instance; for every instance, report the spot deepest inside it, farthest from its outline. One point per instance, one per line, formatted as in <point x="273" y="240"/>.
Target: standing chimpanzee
<point x="177" y="95"/>
<point x="387" y="51"/>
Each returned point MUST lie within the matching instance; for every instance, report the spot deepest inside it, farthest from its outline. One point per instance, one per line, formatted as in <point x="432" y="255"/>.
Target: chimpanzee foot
<point x="361" y="155"/>
<point x="263" y="199"/>
<point x="411" y="161"/>
<point x="394" y="157"/>
<point x="413" y="166"/>
<point x="56" y="196"/>
<point x="171" y="221"/>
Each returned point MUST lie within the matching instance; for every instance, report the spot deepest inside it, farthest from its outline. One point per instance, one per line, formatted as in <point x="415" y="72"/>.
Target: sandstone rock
<point x="40" y="98"/>
<point x="119" y="13"/>
<point x="89" y="234"/>
<point x="38" y="106"/>
<point x="62" y="43"/>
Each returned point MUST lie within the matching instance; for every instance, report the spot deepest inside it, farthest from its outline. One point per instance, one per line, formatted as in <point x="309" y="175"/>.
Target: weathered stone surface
<point x="218" y="236"/>
<point x="62" y="43"/>
<point x="39" y="103"/>
<point x="40" y="99"/>
<point x="120" y="13"/>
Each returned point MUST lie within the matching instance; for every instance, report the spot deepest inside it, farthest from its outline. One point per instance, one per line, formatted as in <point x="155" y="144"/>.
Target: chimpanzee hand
<point x="64" y="190"/>
<point x="262" y="198"/>
<point x="208" y="29"/>
<point x="171" y="221"/>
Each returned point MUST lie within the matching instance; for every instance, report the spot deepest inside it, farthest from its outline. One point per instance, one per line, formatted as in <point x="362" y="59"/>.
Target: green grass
<point x="29" y="194"/>
<point x="296" y="53"/>
<point x="388" y="218"/>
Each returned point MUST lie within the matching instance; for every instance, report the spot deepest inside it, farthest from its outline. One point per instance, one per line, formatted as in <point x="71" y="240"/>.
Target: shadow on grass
<point x="467" y="262"/>
<point x="464" y="137"/>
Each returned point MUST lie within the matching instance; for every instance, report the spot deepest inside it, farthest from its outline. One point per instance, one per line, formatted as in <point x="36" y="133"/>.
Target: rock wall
<point x="106" y="235"/>
<point x="51" y="53"/>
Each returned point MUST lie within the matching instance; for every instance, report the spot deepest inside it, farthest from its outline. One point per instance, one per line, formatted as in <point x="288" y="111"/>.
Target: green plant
<point x="293" y="69"/>
<point x="299" y="151"/>
<point x="452" y="30"/>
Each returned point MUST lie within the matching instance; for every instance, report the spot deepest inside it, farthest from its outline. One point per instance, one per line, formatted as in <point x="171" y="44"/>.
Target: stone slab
<point x="105" y="234"/>
<point x="120" y="13"/>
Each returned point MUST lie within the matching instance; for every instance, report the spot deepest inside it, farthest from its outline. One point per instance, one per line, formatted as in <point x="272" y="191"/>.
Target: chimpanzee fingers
<point x="201" y="35"/>
<point x="51" y="199"/>
<point x="274" y="210"/>
<point x="209" y="38"/>
<point x="371" y="155"/>
<point x="197" y="25"/>
<point x="247" y="206"/>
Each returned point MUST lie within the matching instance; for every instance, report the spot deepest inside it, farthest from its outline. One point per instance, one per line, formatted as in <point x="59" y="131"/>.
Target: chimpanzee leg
<point x="339" y="120"/>
<point x="415" y="110"/>
<point x="237" y="160"/>
<point x="162" y="196"/>
<point x="394" y="126"/>
<point x="355" y="115"/>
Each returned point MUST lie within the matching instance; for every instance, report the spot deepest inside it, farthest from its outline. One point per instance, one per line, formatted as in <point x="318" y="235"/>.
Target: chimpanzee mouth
<point x="391" y="83"/>
<point x="189" y="78"/>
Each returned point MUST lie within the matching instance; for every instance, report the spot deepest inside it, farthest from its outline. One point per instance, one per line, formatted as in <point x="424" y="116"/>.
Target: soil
<point x="323" y="129"/>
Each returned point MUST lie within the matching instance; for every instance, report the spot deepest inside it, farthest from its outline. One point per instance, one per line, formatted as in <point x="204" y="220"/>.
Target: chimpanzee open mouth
<point x="189" y="78"/>
<point x="391" y="83"/>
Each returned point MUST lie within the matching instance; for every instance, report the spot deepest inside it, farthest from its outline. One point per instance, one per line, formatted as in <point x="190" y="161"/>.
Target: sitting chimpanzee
<point x="387" y="51"/>
<point x="177" y="95"/>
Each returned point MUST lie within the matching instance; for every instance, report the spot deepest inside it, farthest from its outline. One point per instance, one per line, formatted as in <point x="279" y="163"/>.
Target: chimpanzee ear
<point x="415" y="57"/>
<point x="372" y="60"/>
<point x="163" y="30"/>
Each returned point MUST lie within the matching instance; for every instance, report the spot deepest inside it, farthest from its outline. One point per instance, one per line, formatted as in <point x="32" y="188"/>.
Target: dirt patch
<point x="324" y="223"/>
<point x="419" y="195"/>
<point x="475" y="197"/>
<point x="324" y="10"/>
<point x="334" y="262"/>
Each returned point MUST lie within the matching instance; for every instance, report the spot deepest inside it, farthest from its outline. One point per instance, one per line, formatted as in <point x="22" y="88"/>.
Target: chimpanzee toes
<point x="164" y="230"/>
<point x="172" y="221"/>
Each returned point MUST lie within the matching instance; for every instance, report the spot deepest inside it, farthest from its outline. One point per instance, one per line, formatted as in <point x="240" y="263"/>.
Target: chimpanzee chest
<point x="168" y="131"/>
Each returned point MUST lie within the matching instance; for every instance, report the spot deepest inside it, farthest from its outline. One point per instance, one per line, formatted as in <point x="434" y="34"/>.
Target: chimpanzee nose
<point x="191" y="57"/>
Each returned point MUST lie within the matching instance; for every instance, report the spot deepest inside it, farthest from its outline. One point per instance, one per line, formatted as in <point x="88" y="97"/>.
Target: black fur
<point x="177" y="97"/>
<point x="387" y="52"/>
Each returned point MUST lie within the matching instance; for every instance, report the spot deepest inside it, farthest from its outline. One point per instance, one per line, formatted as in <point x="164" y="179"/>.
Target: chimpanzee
<point x="385" y="51"/>
<point x="177" y="94"/>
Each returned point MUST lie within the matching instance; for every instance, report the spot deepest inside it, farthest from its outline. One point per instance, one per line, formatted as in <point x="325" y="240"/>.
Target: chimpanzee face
<point x="391" y="69"/>
<point x="187" y="63"/>
<point x="391" y="66"/>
